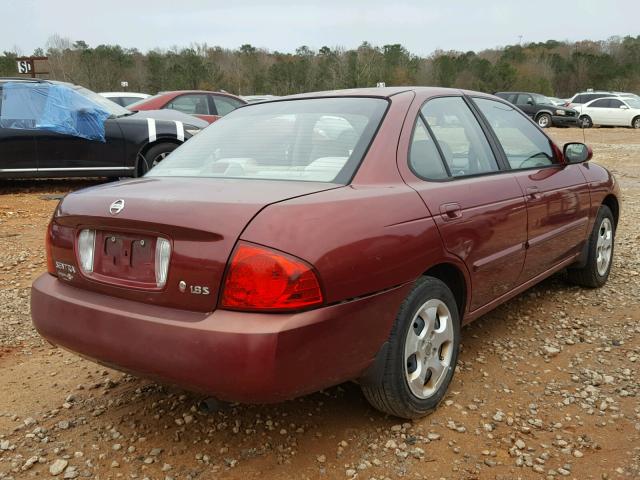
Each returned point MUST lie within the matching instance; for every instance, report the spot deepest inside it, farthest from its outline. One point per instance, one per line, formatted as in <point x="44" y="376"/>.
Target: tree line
<point x="558" y="68"/>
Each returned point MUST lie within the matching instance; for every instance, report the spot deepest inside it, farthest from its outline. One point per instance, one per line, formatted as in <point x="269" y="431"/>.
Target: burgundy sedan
<point x="208" y="106"/>
<point x="320" y="238"/>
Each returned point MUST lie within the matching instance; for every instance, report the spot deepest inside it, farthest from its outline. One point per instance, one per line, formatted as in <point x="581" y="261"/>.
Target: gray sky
<point x="421" y="26"/>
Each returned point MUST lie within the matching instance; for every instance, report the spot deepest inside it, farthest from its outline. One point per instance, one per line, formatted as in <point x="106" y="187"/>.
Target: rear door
<point x="479" y="209"/>
<point x="17" y="147"/>
<point x="557" y="196"/>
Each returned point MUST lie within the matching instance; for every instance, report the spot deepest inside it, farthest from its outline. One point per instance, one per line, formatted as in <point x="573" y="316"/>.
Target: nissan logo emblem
<point x="116" y="207"/>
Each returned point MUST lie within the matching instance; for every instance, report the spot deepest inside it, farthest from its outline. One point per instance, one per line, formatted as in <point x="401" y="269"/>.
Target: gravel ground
<point x="547" y="385"/>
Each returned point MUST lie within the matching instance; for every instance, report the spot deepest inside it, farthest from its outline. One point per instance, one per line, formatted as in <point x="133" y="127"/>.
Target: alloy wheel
<point x="544" y="121"/>
<point x="604" y="246"/>
<point x="428" y="349"/>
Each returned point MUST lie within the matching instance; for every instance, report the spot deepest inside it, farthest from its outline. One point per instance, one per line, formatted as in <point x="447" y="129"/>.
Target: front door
<point x="58" y="153"/>
<point x="556" y="194"/>
<point x="479" y="209"/>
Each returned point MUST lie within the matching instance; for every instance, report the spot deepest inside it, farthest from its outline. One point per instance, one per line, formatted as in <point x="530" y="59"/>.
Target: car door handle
<point x="450" y="211"/>
<point x="533" y="192"/>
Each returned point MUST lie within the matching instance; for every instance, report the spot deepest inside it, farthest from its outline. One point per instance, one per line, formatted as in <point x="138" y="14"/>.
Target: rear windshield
<point x="319" y="140"/>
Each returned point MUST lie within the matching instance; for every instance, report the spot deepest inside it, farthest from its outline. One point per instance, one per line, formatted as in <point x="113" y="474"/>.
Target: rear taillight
<point x="163" y="253"/>
<point x="51" y="263"/>
<point x="86" y="249"/>
<point x="259" y="278"/>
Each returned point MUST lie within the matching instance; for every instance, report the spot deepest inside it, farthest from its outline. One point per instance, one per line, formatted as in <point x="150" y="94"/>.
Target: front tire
<point x="635" y="123"/>
<point x="596" y="271"/>
<point x="544" y="120"/>
<point x="586" y="122"/>
<point x="422" y="354"/>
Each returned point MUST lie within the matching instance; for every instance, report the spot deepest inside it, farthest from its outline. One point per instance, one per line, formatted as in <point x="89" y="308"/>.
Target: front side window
<point x="460" y="137"/>
<point x="604" y="103"/>
<point x="197" y="104"/>
<point x="615" y="103"/>
<point x="524" y="145"/>
<point x="319" y="139"/>
<point x="424" y="158"/>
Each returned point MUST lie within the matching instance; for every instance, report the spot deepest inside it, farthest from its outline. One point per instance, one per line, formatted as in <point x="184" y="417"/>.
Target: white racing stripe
<point x="151" y="123"/>
<point x="179" y="130"/>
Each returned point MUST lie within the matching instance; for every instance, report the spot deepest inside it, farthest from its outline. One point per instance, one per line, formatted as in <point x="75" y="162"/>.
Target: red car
<point x="209" y="106"/>
<point x="304" y="242"/>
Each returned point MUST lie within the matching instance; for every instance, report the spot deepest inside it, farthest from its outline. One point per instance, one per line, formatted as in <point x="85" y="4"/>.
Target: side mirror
<point x="529" y="102"/>
<point x="624" y="107"/>
<point x="575" y="152"/>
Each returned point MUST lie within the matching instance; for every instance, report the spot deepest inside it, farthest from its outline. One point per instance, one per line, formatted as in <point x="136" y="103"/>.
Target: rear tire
<point x="422" y="354"/>
<point x="586" y="122"/>
<point x="544" y="120"/>
<point x="153" y="156"/>
<point x="600" y="252"/>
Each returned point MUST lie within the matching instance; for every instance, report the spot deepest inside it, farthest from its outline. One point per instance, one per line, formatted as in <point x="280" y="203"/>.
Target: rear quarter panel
<point x="360" y="240"/>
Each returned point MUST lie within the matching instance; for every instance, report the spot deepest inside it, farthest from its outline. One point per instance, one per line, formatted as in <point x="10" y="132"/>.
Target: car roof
<point x="179" y="92"/>
<point x="381" y="92"/>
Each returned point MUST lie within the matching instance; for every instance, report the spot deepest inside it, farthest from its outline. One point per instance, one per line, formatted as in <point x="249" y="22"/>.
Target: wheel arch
<point x="612" y="202"/>
<point x="540" y="112"/>
<point x="145" y="148"/>
<point x="453" y="278"/>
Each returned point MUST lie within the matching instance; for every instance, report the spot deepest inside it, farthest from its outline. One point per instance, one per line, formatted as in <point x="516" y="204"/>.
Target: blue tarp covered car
<point x="52" y="107"/>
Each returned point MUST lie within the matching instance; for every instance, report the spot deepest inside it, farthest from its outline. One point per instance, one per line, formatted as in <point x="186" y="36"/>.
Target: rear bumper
<point x="234" y="356"/>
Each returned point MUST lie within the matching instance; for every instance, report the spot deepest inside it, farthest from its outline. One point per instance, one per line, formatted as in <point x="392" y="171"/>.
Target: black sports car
<point x="44" y="133"/>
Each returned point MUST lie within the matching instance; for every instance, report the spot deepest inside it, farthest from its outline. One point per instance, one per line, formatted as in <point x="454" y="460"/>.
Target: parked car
<point x="44" y="137"/>
<point x="610" y="111"/>
<point x="209" y="106"/>
<point x="124" y="99"/>
<point x="248" y="264"/>
<point x="541" y="109"/>
<point x="582" y="98"/>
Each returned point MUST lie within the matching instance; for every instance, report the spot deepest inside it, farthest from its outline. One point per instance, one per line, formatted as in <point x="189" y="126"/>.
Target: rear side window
<point x="524" y="145"/>
<point x="461" y="140"/>
<point x="192" y="104"/>
<point x="225" y="105"/>
<point x="592" y="96"/>
<point x="524" y="99"/>
<point x="424" y="158"/>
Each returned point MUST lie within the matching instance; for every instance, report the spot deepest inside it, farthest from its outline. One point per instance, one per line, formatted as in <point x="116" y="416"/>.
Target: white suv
<point x="586" y="97"/>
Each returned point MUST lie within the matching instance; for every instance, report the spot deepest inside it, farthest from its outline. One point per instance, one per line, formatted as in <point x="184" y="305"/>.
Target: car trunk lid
<point x="200" y="218"/>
